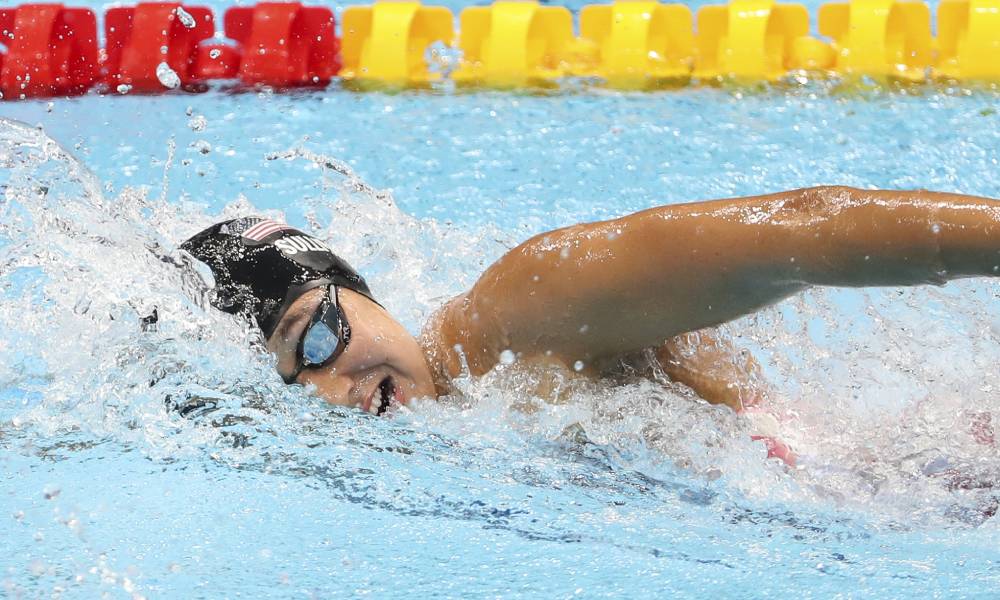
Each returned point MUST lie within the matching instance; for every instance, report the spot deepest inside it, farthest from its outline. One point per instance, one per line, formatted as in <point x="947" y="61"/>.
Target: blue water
<point x="629" y="490"/>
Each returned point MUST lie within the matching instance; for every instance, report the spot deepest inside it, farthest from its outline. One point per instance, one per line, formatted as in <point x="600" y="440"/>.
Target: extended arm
<point x="608" y="288"/>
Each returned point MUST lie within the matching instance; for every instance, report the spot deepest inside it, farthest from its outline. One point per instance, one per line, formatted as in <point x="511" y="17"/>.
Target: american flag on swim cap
<point x="263" y="229"/>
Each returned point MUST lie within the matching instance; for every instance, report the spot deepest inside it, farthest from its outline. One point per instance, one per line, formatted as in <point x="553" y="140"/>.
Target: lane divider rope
<point x="53" y="50"/>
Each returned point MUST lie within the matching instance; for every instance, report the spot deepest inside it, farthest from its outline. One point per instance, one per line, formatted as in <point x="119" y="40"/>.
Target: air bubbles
<point x="214" y="53"/>
<point x="123" y="88"/>
<point x="507" y="357"/>
<point x="935" y="228"/>
<point x="578" y="366"/>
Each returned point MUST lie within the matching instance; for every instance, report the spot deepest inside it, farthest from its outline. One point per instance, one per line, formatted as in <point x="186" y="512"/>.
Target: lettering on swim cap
<point x="294" y="244"/>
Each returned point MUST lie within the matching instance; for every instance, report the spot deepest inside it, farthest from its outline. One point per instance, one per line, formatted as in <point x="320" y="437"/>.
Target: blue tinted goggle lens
<point x="319" y="344"/>
<point x="325" y="339"/>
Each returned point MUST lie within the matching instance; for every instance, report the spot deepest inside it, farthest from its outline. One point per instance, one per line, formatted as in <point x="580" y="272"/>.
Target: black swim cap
<point x="261" y="266"/>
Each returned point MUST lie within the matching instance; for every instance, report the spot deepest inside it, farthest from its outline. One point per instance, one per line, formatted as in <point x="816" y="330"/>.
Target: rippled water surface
<point x="629" y="490"/>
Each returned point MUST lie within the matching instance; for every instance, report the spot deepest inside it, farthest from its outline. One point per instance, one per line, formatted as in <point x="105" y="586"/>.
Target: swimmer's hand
<point x="600" y="290"/>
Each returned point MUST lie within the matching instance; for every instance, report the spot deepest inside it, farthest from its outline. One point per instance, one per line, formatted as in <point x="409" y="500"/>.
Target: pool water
<point x="632" y="490"/>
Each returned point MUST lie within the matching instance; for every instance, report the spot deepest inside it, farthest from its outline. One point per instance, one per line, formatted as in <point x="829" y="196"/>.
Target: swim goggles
<point x="325" y="338"/>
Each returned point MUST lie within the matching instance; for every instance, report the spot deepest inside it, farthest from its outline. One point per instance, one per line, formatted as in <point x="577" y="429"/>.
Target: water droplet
<point x="123" y="89"/>
<point x="507" y="357"/>
<point x="202" y="146"/>
<point x="584" y="328"/>
<point x="198" y="123"/>
<point x="564" y="253"/>
<point x="167" y="76"/>
<point x="578" y="366"/>
<point x="185" y="18"/>
<point x="214" y="53"/>
<point x="936" y="229"/>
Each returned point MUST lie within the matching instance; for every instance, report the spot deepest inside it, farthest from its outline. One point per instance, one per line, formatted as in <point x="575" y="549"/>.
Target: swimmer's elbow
<point x="834" y="192"/>
<point x="825" y="201"/>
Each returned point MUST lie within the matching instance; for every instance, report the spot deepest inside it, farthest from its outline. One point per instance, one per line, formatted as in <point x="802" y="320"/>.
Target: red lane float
<point x="217" y="61"/>
<point x="52" y="51"/>
<point x="285" y="44"/>
<point x="140" y="39"/>
<point x="156" y="46"/>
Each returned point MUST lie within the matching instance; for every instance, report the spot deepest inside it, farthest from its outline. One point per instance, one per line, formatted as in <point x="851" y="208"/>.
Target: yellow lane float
<point x="638" y="43"/>
<point x="756" y="39"/>
<point x="388" y="41"/>
<point x="879" y="37"/>
<point x="969" y="39"/>
<point x="515" y="43"/>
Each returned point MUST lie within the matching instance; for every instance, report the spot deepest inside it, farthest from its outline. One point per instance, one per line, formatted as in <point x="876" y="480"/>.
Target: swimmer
<point x="593" y="297"/>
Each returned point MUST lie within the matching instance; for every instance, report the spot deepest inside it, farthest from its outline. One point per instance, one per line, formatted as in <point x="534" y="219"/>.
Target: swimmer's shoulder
<point x="460" y="338"/>
<point x="442" y="339"/>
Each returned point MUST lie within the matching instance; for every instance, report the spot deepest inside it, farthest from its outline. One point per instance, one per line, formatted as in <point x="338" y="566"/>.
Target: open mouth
<point x="386" y="392"/>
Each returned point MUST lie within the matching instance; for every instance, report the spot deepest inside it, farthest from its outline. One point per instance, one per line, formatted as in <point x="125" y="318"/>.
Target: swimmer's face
<point x="381" y="366"/>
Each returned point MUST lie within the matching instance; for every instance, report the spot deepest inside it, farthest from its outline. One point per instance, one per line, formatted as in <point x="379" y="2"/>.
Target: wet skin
<point x="594" y="294"/>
